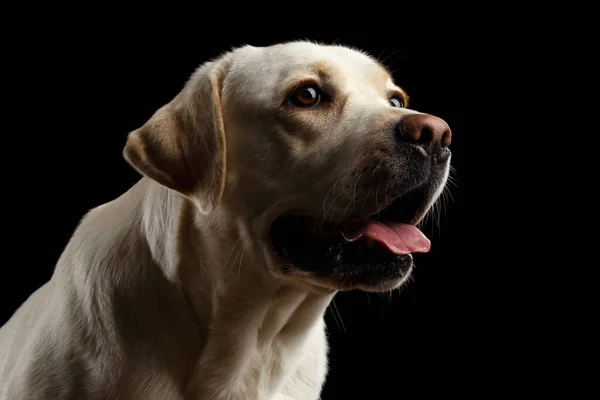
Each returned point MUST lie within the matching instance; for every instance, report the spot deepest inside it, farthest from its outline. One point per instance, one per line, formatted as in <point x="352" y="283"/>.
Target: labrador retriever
<point x="278" y="176"/>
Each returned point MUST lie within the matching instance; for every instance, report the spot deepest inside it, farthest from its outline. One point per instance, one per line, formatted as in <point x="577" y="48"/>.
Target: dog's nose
<point x="431" y="133"/>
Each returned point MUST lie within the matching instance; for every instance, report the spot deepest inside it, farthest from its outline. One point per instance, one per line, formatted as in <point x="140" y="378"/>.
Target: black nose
<point x="432" y="133"/>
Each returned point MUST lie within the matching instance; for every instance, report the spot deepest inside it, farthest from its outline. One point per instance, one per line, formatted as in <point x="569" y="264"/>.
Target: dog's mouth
<point x="373" y="249"/>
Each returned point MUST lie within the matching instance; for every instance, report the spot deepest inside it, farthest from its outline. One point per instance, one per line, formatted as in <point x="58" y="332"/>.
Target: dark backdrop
<point x="79" y="87"/>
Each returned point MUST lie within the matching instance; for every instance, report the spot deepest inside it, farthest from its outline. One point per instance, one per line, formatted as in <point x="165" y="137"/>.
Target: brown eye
<point x="396" y="102"/>
<point x="306" y="96"/>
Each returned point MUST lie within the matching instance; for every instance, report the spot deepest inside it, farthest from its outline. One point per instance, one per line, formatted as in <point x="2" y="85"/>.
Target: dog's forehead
<point x="275" y="66"/>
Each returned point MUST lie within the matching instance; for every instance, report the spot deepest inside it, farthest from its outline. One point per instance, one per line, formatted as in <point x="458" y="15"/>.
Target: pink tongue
<point x="398" y="238"/>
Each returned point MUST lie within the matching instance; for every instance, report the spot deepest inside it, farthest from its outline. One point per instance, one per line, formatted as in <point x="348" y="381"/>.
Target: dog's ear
<point x="182" y="146"/>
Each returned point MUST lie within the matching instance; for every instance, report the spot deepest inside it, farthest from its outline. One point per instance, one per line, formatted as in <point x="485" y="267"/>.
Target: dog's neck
<point x="254" y="319"/>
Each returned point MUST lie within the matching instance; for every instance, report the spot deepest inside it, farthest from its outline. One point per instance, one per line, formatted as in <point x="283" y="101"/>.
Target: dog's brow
<point x="319" y="73"/>
<point x="398" y="91"/>
<point x="322" y="69"/>
<point x="394" y="88"/>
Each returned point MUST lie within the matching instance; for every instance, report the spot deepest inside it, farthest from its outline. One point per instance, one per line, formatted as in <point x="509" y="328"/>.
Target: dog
<point x="275" y="178"/>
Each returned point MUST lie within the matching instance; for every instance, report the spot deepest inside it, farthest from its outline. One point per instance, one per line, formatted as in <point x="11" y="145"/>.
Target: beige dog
<point x="278" y="176"/>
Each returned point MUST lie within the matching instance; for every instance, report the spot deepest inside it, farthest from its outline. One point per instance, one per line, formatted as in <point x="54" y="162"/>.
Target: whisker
<point x="448" y="199"/>
<point x="332" y="188"/>
<point x="452" y="181"/>
<point x="230" y="253"/>
<point x="233" y="262"/>
<point x="345" y="210"/>
<point x="448" y="192"/>
<point x="366" y="198"/>
<point x="241" y="258"/>
<point x="334" y="207"/>
<point x="335" y="317"/>
<point x="389" y="56"/>
<point x="354" y="192"/>
<point x="376" y="168"/>
<point x="376" y="193"/>
<point x="452" y="178"/>
<point x="439" y="216"/>
<point x="338" y="313"/>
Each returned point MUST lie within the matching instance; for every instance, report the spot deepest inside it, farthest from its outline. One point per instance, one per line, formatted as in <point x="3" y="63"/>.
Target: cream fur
<point x="170" y="291"/>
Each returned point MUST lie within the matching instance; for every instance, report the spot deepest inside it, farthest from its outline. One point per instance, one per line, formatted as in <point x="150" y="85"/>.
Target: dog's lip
<point x="397" y="235"/>
<point x="392" y="226"/>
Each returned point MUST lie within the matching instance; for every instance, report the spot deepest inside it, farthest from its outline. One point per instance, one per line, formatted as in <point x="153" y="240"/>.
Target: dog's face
<point x="315" y="150"/>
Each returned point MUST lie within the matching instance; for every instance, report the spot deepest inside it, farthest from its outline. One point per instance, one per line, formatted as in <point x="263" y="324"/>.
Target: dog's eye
<point x="306" y="96"/>
<point x="396" y="102"/>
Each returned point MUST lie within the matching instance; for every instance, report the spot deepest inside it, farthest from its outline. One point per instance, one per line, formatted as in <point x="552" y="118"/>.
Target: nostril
<point x="409" y="130"/>
<point x="447" y="138"/>
<point x="429" y="132"/>
<point x="426" y="136"/>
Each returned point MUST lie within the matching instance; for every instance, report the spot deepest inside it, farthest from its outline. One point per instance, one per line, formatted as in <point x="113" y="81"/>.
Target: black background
<point x="78" y="87"/>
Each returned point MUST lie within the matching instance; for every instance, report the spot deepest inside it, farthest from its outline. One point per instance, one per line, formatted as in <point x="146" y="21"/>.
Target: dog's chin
<point x="373" y="254"/>
<point x="380" y="276"/>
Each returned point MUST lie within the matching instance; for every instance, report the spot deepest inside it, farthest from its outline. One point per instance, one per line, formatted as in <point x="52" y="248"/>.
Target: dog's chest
<point x="292" y="372"/>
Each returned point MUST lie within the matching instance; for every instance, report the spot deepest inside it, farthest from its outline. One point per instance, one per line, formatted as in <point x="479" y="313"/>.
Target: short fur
<point x="171" y="290"/>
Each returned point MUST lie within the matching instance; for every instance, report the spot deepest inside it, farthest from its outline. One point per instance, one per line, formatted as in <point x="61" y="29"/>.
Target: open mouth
<point x="385" y="240"/>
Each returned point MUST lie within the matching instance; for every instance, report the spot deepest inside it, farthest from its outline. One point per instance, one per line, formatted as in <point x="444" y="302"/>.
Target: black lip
<point x="329" y="253"/>
<point x="345" y="265"/>
<point x="374" y="274"/>
<point x="323" y="255"/>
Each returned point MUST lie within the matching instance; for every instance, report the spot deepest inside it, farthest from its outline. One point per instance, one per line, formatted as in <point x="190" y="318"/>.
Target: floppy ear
<point x="182" y="146"/>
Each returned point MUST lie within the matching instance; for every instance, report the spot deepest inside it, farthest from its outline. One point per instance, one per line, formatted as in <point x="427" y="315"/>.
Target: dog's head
<point x="313" y="148"/>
